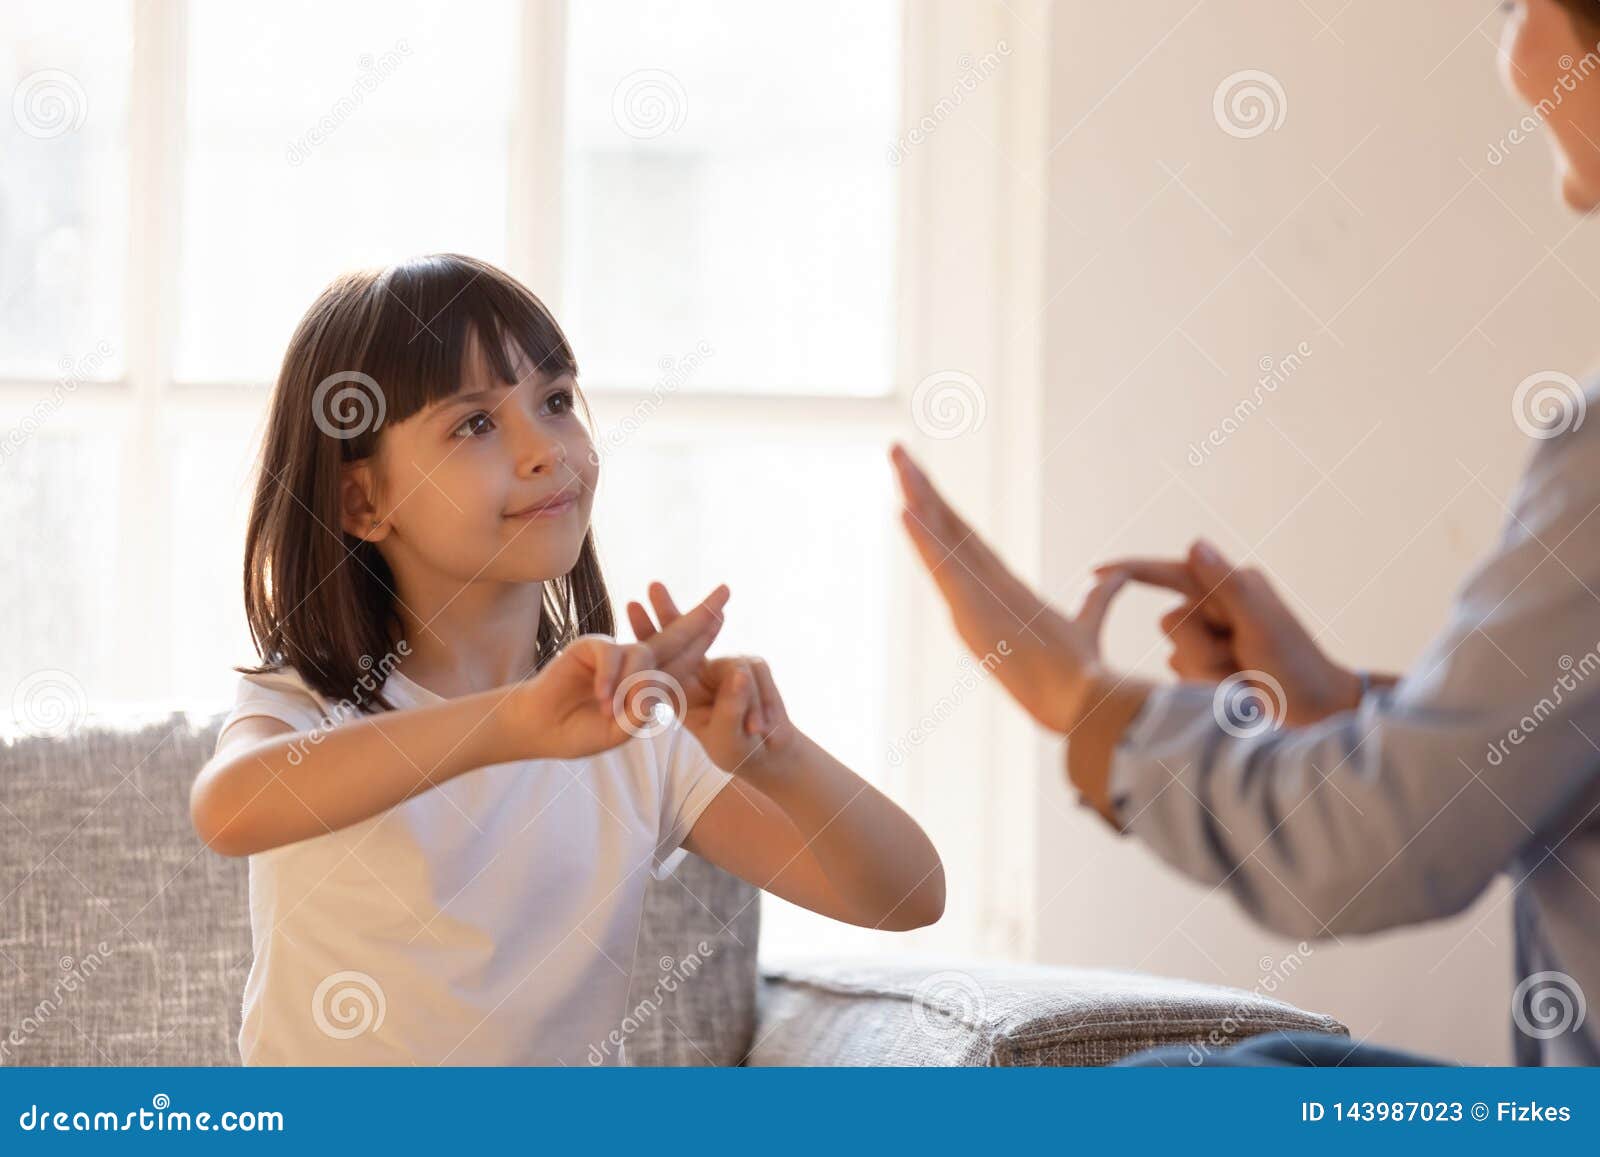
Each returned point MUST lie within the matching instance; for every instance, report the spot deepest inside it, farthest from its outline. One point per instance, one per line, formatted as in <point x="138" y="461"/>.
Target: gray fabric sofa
<point x="124" y="941"/>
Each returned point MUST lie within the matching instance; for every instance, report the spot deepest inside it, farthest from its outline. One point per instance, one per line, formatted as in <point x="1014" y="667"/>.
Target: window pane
<point x="727" y="182"/>
<point x="324" y="137"/>
<point x="63" y="187"/>
<point x="59" y="614"/>
<point x="213" y="469"/>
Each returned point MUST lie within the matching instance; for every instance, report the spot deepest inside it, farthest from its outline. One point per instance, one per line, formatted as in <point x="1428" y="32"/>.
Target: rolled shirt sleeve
<point x="1405" y="808"/>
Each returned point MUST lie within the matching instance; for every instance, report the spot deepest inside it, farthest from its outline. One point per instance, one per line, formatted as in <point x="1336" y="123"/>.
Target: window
<point x="703" y="191"/>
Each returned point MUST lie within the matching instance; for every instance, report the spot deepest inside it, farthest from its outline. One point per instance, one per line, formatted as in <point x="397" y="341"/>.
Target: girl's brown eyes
<point x="565" y="397"/>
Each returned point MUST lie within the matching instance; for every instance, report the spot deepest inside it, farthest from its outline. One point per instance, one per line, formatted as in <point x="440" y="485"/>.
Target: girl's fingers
<point x="755" y="722"/>
<point x="666" y="609"/>
<point x="607" y="663"/>
<point x="733" y="699"/>
<point x="639" y="619"/>
<point x="772" y="712"/>
<point x="635" y="659"/>
<point x="684" y="641"/>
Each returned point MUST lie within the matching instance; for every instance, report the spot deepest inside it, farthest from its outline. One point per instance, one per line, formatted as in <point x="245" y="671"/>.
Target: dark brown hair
<point x="378" y="346"/>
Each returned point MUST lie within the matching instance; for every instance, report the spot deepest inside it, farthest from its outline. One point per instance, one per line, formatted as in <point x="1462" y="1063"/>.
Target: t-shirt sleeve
<point x="690" y="781"/>
<point x="277" y="695"/>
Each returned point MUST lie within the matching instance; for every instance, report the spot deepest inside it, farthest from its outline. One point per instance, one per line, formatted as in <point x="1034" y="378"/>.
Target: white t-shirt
<point x="491" y="920"/>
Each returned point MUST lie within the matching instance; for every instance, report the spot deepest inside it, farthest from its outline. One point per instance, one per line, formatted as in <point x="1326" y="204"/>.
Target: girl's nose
<point x="538" y="452"/>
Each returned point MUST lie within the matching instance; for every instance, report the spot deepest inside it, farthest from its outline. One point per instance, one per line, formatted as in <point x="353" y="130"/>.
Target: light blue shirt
<point x="1484" y="759"/>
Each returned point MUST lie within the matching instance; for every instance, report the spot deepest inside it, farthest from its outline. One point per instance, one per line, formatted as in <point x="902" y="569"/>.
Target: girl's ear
<point x="357" y="515"/>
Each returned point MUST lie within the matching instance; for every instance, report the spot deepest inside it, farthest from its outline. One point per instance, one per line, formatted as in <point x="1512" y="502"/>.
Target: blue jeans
<point x="1282" y="1048"/>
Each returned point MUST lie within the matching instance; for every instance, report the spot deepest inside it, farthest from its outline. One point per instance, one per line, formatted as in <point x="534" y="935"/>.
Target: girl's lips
<point x="550" y="511"/>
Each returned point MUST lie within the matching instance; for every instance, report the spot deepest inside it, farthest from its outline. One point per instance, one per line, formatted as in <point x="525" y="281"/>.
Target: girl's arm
<point x="795" y="821"/>
<point x="268" y="785"/>
<point x="801" y="825"/>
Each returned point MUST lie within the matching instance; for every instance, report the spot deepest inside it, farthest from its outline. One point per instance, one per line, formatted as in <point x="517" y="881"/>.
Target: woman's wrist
<point x="1110" y="704"/>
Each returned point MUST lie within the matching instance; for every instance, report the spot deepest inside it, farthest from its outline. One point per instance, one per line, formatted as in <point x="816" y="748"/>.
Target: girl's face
<point x="457" y="476"/>
<point x="1542" y="60"/>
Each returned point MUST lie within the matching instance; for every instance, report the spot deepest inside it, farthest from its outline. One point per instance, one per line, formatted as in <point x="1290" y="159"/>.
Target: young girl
<point x="445" y="773"/>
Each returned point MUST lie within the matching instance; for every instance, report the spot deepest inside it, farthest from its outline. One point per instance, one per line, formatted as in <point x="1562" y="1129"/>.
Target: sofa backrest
<point x="125" y="941"/>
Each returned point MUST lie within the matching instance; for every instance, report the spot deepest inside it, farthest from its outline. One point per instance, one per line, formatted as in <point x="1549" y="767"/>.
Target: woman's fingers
<point x="1097" y="601"/>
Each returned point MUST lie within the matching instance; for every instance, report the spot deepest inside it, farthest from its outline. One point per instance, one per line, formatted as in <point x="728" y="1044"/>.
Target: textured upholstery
<point x="877" y="1013"/>
<point x="124" y="940"/>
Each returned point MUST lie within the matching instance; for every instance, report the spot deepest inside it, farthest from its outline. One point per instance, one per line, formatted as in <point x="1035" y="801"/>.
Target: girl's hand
<point x="598" y="693"/>
<point x="1049" y="659"/>
<point x="731" y="705"/>
<point x="1231" y="622"/>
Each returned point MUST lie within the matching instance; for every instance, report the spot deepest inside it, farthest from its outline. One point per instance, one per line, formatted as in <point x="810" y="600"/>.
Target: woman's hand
<point x="1232" y="622"/>
<point x="1050" y="659"/>
<point x="598" y="693"/>
<point x="731" y="705"/>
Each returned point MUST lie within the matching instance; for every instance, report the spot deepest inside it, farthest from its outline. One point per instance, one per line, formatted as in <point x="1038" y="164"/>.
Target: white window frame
<point x="973" y="189"/>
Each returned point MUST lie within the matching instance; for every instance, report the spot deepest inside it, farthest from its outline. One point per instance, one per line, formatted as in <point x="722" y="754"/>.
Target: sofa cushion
<point x="956" y="1013"/>
<point x="124" y="940"/>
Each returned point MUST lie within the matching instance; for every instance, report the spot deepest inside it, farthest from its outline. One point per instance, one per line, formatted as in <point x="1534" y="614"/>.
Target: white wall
<point x="1178" y="257"/>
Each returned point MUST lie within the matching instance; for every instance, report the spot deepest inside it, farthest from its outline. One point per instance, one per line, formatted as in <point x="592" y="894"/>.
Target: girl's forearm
<point x="875" y="855"/>
<point x="309" y="783"/>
